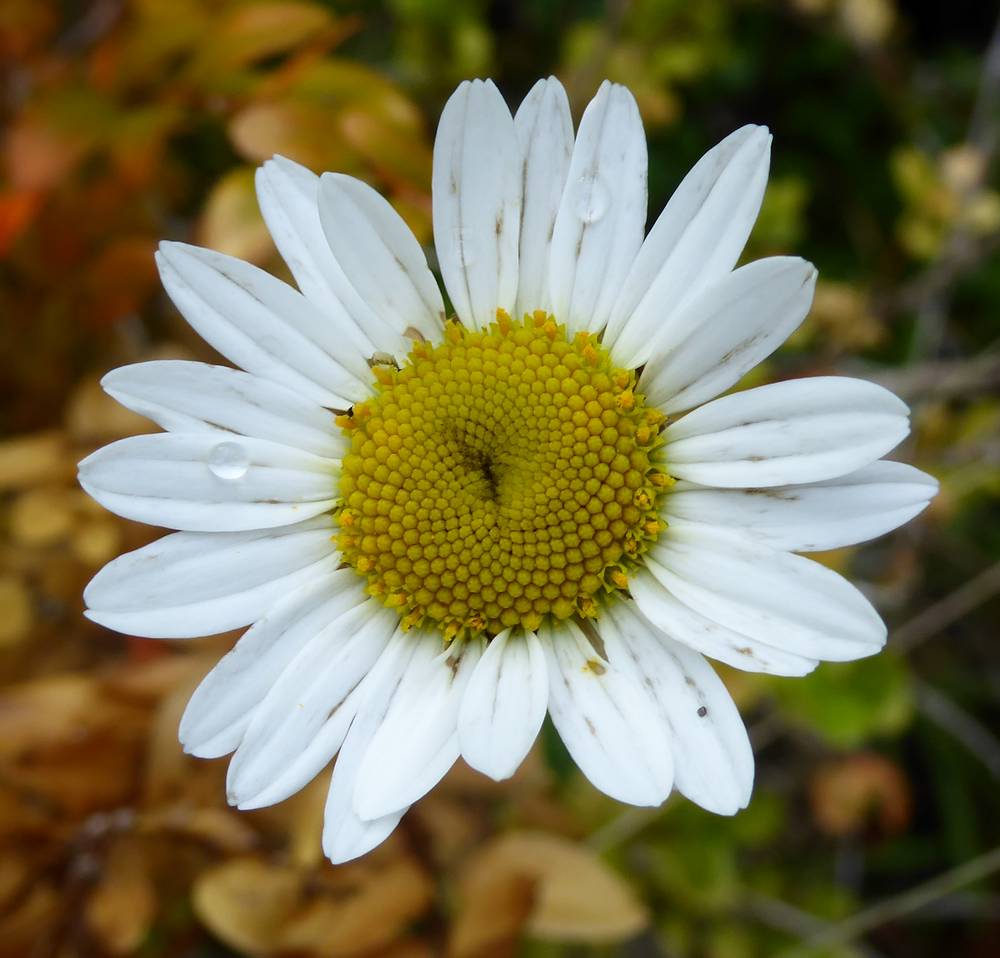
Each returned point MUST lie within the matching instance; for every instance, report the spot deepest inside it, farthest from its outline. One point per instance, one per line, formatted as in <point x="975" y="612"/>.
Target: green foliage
<point x="850" y="703"/>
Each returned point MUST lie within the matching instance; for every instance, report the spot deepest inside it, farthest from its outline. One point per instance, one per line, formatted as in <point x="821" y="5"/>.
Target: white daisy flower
<point x="438" y="529"/>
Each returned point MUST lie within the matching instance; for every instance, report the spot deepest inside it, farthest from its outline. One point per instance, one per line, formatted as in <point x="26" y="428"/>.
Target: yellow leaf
<point x="28" y="460"/>
<point x="261" y="30"/>
<point x="575" y="896"/>
<point x="42" y="516"/>
<point x="246" y="903"/>
<point x="231" y="222"/>
<point x="304" y="132"/>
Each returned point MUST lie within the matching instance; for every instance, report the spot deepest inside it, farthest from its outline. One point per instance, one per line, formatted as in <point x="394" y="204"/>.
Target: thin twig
<point x="898" y="906"/>
<point x="786" y="918"/>
<point x="954" y="720"/>
<point x="961" y="602"/>
<point x="941" y="379"/>
<point x="623" y="828"/>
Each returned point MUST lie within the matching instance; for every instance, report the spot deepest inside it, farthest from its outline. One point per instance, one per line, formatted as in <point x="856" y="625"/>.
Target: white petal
<point x="477" y="202"/>
<point x="778" y="598"/>
<point x="312" y="690"/>
<point x="726" y="331"/>
<point x="544" y="131"/>
<point x="220" y="709"/>
<point x="288" y="195"/>
<point x="345" y="835"/>
<point x="681" y="623"/>
<point x="265" y="326"/>
<point x="167" y="479"/>
<point x="379" y="256"/>
<point x="602" y="213"/>
<point x="812" y="517"/>
<point x="504" y="704"/>
<point x="713" y="760"/>
<point x="801" y="430"/>
<point x="609" y="725"/>
<point x="199" y="583"/>
<point x="696" y="240"/>
<point x="196" y="397"/>
<point x="417" y="741"/>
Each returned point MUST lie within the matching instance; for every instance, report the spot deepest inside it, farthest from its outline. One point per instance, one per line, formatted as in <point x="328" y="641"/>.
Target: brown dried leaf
<point x="16" y="611"/>
<point x="29" y="460"/>
<point x="121" y="907"/>
<point x="375" y="915"/>
<point x="859" y="792"/>
<point x="576" y="897"/>
<point x="23" y="929"/>
<point x="247" y="903"/>
<point x="42" y="516"/>
<point x="222" y="829"/>
<point x="47" y="712"/>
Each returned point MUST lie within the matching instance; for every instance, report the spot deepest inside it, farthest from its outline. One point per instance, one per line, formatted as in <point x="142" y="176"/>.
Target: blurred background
<point x="874" y="828"/>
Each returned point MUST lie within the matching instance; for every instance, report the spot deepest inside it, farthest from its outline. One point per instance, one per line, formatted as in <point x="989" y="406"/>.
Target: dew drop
<point x="229" y="461"/>
<point x="591" y="198"/>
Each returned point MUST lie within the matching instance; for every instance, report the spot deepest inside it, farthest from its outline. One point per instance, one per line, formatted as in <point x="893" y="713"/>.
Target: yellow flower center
<point x="498" y="478"/>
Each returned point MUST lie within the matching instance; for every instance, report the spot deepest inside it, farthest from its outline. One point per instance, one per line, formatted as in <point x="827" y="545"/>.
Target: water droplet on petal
<point x="229" y="461"/>
<point x="591" y="198"/>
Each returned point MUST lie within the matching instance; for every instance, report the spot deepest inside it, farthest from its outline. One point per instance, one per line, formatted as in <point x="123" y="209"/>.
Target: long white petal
<point x="191" y="397"/>
<point x="220" y="709"/>
<point x="379" y="255"/>
<point x="417" y="741"/>
<point x="345" y="834"/>
<point x="544" y="130"/>
<point x="205" y="482"/>
<point x="778" y="598"/>
<point x="288" y="195"/>
<point x="610" y="727"/>
<point x="683" y="624"/>
<point x="198" y="583"/>
<point x="713" y="760"/>
<point x="313" y="689"/>
<point x="800" y="430"/>
<point x="696" y="240"/>
<point x="602" y="214"/>
<point x="477" y="202"/>
<point x="813" y="517"/>
<point x="265" y="326"/>
<point x="504" y="704"/>
<point x="726" y="331"/>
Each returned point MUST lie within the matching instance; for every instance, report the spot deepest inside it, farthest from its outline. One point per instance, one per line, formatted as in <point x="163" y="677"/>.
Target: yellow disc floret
<point x="498" y="478"/>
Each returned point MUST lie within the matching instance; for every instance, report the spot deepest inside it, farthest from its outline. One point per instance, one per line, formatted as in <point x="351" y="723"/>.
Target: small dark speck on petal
<point x="702" y="711"/>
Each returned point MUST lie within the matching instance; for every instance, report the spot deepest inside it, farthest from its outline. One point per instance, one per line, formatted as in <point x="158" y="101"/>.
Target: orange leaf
<point x="17" y="210"/>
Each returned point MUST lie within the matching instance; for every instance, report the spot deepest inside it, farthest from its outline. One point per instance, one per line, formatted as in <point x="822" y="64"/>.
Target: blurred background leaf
<point x="873" y="827"/>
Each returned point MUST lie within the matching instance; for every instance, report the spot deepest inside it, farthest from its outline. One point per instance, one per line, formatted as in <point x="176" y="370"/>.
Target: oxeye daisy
<point x="442" y="523"/>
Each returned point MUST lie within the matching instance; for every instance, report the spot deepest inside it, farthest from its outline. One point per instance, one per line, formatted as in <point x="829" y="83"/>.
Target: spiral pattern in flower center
<point x="499" y="477"/>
